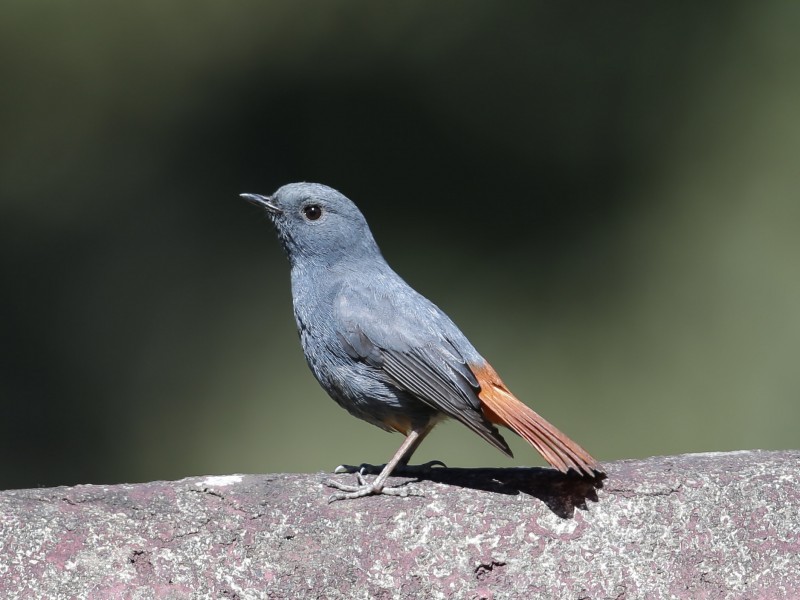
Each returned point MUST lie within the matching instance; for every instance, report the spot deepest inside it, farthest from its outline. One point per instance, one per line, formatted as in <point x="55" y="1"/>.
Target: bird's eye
<point x="312" y="211"/>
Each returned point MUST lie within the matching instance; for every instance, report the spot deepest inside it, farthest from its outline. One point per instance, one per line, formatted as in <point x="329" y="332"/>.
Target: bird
<point x="383" y="351"/>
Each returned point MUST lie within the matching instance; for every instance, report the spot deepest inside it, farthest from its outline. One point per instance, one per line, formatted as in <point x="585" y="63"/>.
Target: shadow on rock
<point x="562" y="493"/>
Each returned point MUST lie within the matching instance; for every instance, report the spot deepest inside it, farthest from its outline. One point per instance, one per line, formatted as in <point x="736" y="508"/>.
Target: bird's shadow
<point x="561" y="493"/>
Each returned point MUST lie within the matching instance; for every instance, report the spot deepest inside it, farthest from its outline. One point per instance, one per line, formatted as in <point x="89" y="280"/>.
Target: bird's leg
<point x="364" y="488"/>
<point x="401" y="467"/>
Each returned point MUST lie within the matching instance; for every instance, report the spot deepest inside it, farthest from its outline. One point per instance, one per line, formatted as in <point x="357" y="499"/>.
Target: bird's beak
<point x="264" y="202"/>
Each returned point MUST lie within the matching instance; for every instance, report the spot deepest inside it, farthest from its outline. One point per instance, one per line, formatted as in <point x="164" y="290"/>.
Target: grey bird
<point x="384" y="352"/>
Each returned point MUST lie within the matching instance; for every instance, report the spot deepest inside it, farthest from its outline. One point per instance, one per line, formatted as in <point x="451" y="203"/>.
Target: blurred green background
<point x="604" y="198"/>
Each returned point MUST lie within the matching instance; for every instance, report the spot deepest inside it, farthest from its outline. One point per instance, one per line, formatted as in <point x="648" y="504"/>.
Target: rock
<point x="715" y="525"/>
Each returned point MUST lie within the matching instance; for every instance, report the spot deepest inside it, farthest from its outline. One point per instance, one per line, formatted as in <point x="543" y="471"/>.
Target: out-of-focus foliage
<point x="605" y="197"/>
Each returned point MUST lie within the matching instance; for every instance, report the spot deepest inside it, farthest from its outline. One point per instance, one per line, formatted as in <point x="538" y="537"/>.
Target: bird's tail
<point x="501" y="407"/>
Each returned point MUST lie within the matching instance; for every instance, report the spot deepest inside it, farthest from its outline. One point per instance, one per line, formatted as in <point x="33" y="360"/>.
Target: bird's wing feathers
<point x="432" y="370"/>
<point x="430" y="376"/>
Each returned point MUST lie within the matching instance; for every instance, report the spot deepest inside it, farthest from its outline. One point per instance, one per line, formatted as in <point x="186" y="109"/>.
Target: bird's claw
<point x="368" y="469"/>
<point x="363" y="468"/>
<point x="428" y="466"/>
<point x="364" y="488"/>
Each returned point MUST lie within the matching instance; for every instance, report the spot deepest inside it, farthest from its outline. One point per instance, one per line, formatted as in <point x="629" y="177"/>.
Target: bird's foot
<point x="419" y="469"/>
<point x="364" y="488"/>
<point x="363" y="469"/>
<point x="367" y="469"/>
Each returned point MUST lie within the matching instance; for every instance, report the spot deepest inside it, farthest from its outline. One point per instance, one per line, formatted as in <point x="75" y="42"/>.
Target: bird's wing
<point x="426" y="365"/>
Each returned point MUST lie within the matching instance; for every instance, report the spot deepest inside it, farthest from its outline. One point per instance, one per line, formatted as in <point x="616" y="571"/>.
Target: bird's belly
<point x="360" y="390"/>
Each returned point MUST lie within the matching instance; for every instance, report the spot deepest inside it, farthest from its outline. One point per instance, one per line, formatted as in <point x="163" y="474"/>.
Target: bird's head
<point x="317" y="224"/>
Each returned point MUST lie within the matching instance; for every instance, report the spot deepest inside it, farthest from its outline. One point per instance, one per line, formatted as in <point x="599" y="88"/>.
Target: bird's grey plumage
<point x="381" y="350"/>
<point x="386" y="353"/>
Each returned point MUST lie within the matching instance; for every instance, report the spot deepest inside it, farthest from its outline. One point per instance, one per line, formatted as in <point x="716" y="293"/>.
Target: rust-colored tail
<point x="501" y="407"/>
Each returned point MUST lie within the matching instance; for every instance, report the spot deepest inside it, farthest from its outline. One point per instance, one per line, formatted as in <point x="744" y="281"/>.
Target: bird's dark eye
<point x="312" y="211"/>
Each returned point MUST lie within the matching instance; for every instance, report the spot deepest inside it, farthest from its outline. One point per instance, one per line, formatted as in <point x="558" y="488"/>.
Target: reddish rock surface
<point x="719" y="525"/>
